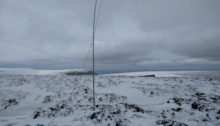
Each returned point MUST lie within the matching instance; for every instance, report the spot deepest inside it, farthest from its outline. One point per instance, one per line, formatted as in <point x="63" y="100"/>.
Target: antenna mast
<point x="93" y="54"/>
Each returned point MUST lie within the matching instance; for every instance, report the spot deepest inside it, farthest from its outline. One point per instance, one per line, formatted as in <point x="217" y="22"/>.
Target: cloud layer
<point x="130" y="35"/>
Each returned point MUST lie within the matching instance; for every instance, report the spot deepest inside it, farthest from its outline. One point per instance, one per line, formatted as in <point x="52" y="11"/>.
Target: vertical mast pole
<point x="93" y="56"/>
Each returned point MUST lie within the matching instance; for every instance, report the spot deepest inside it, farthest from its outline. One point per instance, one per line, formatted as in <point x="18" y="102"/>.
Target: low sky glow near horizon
<point x="131" y="35"/>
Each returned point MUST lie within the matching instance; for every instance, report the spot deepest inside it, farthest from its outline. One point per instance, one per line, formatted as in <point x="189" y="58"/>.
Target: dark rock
<point x="162" y="122"/>
<point x="170" y="123"/>
<point x="90" y="100"/>
<point x="207" y="115"/>
<point x="36" y="115"/>
<point x="134" y="107"/>
<point x="100" y="99"/>
<point x="177" y="109"/>
<point x="178" y="101"/>
<point x="200" y="94"/>
<point x="62" y="106"/>
<point x="47" y="99"/>
<point x="151" y="92"/>
<point x="39" y="125"/>
<point x="152" y="75"/>
<point x="86" y="91"/>
<point x="216" y="99"/>
<point x="118" y="123"/>
<point x="173" y="115"/>
<point x="205" y="120"/>
<point x="93" y="116"/>
<point x="202" y="107"/>
<point x="195" y="105"/>
<point x="53" y="109"/>
<point x="163" y="114"/>
<point x="10" y="102"/>
<point x="117" y="112"/>
<point x="109" y="117"/>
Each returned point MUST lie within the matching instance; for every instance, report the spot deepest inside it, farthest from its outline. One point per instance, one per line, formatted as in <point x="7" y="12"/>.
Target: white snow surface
<point x="44" y="98"/>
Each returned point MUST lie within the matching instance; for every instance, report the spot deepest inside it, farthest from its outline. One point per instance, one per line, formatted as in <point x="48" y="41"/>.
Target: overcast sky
<point x="131" y="35"/>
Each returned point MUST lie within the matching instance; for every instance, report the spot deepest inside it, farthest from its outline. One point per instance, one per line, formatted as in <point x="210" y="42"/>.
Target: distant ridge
<point x="79" y="73"/>
<point x="28" y="71"/>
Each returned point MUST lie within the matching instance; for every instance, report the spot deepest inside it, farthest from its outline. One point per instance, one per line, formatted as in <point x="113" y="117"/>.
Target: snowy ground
<point x="169" y="99"/>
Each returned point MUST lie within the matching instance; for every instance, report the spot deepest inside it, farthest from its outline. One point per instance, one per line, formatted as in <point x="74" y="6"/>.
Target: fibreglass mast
<point x="93" y="55"/>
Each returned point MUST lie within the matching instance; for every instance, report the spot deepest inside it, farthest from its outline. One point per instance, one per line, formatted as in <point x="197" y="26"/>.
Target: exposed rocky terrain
<point x="121" y="100"/>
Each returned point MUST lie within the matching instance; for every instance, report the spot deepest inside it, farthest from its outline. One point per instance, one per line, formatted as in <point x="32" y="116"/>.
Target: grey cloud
<point x="131" y="35"/>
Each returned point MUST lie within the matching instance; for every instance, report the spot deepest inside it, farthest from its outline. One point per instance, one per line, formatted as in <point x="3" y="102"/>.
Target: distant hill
<point x="28" y="71"/>
<point x="79" y="73"/>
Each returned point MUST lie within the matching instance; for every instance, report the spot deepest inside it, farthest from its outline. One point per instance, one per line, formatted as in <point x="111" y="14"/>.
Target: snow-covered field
<point x="42" y="98"/>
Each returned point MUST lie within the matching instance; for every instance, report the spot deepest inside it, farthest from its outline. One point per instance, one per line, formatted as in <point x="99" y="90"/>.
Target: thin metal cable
<point x="87" y="56"/>
<point x="96" y="24"/>
<point x="99" y="10"/>
<point x="93" y="58"/>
